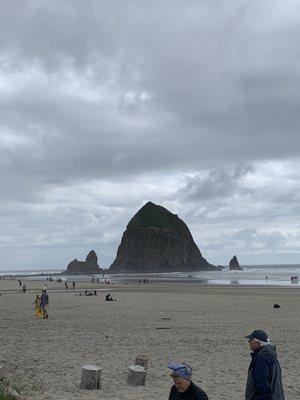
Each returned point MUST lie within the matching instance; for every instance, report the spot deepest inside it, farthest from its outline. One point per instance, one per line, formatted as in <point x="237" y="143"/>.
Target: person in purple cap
<point x="264" y="374"/>
<point x="183" y="387"/>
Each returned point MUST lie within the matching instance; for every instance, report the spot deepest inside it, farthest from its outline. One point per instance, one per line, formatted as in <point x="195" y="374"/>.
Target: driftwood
<point x="136" y="375"/>
<point x="90" y="377"/>
<point x="142" y="360"/>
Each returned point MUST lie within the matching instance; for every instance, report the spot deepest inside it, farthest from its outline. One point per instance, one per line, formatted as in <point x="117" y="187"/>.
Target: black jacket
<point x="264" y="376"/>
<point x="193" y="392"/>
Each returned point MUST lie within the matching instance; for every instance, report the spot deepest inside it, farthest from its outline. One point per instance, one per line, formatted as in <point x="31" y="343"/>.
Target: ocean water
<point x="254" y="275"/>
<point x="279" y="275"/>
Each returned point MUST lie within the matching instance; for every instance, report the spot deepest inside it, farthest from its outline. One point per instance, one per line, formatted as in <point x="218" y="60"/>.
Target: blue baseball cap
<point x="180" y="369"/>
<point x="259" y="335"/>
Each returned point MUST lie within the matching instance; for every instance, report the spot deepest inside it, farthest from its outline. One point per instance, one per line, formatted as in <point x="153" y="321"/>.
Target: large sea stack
<point x="158" y="241"/>
<point x="89" y="266"/>
<point x="234" y="264"/>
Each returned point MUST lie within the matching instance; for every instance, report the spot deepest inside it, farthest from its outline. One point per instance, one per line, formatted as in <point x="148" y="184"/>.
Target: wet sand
<point x="200" y="324"/>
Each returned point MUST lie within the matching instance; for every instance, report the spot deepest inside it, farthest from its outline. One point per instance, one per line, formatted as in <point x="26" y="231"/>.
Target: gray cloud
<point x="217" y="184"/>
<point x="106" y="104"/>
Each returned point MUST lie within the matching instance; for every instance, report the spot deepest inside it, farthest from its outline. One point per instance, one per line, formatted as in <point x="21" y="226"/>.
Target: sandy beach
<point x="200" y="324"/>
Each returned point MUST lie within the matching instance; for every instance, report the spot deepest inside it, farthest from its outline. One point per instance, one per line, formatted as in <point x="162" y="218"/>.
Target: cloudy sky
<point x="105" y="105"/>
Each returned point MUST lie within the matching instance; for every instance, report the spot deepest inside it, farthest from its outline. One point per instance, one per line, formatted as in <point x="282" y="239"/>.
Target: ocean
<point x="279" y="275"/>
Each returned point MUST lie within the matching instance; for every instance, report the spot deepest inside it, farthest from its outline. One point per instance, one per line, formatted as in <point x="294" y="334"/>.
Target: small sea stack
<point x="89" y="266"/>
<point x="234" y="264"/>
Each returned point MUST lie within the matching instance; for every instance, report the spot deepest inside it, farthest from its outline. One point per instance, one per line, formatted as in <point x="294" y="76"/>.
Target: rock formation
<point x="89" y="266"/>
<point x="92" y="258"/>
<point x="158" y="241"/>
<point x="234" y="264"/>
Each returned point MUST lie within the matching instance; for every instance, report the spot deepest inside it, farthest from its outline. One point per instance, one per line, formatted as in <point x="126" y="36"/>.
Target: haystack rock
<point x="158" y="241"/>
<point x="89" y="266"/>
<point x="234" y="264"/>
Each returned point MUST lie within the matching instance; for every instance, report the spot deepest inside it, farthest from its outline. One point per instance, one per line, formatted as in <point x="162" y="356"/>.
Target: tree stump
<point x="136" y="375"/>
<point x="142" y="360"/>
<point x="90" y="377"/>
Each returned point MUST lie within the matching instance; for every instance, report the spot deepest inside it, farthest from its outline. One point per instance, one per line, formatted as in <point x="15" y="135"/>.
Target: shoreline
<point x="34" y="286"/>
<point x="162" y="279"/>
<point x="256" y="275"/>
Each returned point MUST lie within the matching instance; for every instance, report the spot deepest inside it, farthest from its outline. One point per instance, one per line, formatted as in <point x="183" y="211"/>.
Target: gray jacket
<point x="264" y="376"/>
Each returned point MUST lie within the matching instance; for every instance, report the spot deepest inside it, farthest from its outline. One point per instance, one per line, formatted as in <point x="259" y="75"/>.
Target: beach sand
<point x="200" y="324"/>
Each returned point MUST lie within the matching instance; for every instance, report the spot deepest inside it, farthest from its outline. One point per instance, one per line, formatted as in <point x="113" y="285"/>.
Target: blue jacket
<point x="44" y="300"/>
<point x="264" y="376"/>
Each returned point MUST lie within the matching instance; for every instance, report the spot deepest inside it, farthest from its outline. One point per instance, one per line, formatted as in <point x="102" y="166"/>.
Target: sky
<point x="105" y="105"/>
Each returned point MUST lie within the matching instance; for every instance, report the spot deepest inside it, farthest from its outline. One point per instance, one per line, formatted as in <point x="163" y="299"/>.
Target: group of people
<point x="22" y="287"/>
<point x="294" y="279"/>
<point x="88" y="293"/>
<point x="41" y="304"/>
<point x="264" y="374"/>
<point x="144" y="280"/>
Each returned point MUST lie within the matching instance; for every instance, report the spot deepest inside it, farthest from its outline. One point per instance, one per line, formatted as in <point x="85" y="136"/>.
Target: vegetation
<point x="2" y="395"/>
<point x="35" y="386"/>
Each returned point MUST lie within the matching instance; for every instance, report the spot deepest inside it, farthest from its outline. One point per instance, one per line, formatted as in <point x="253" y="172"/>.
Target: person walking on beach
<point x="44" y="304"/>
<point x="37" y="307"/>
<point x="264" y="374"/>
<point x="24" y="288"/>
<point x="73" y="285"/>
<point x="183" y="387"/>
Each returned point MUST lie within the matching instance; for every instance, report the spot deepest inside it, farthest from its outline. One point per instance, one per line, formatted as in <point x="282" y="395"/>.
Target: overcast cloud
<point x="105" y="105"/>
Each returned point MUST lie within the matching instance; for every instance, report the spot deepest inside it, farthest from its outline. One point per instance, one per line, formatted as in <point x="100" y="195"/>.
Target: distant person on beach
<point x="264" y="374"/>
<point x="20" y="283"/>
<point x="66" y="285"/>
<point x="37" y="307"/>
<point x="108" y="297"/>
<point x="44" y="304"/>
<point x="24" y="288"/>
<point x="73" y="285"/>
<point x="183" y="387"/>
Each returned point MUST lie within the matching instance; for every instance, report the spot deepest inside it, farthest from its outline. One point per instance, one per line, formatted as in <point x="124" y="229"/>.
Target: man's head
<point x="257" y="339"/>
<point x="181" y="374"/>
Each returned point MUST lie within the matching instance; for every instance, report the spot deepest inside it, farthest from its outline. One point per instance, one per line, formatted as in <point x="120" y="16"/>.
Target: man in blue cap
<point x="183" y="387"/>
<point x="264" y="375"/>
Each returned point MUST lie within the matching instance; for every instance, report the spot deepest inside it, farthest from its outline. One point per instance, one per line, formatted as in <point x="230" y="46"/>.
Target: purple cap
<point x="180" y="369"/>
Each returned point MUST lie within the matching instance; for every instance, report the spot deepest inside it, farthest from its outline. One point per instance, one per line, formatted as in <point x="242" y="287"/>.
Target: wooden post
<point x="136" y="375"/>
<point x="90" y="377"/>
<point x="142" y="360"/>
